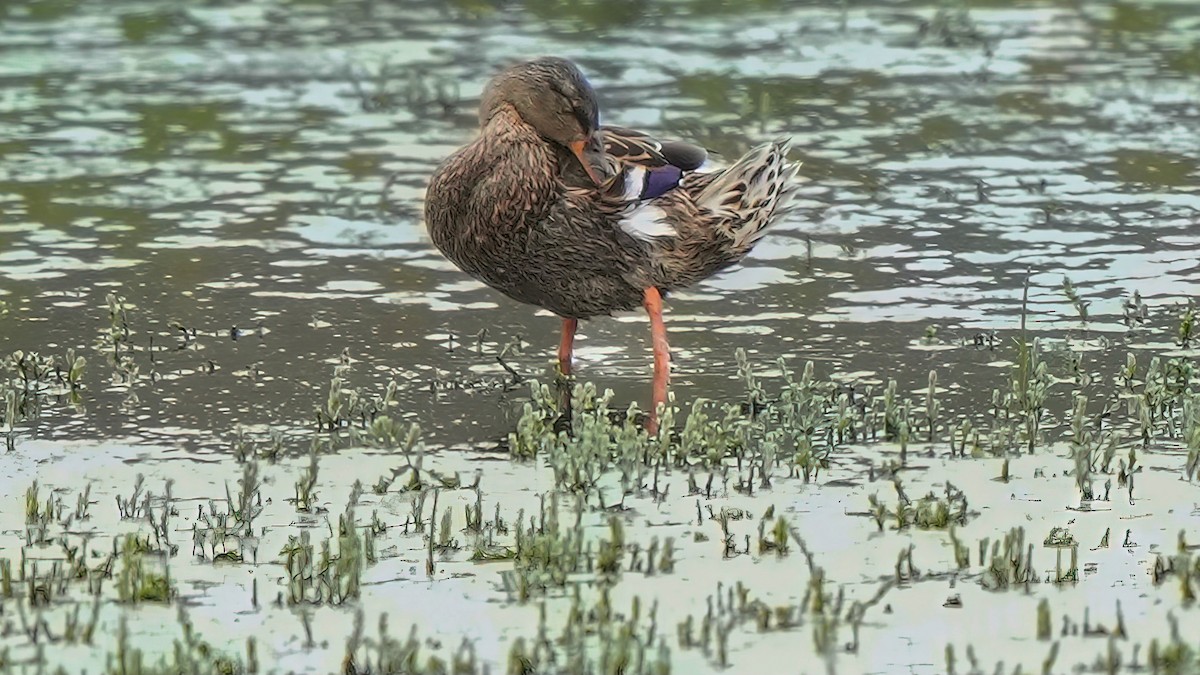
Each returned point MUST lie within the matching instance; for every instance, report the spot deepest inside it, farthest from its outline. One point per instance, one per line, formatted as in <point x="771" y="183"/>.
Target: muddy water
<point x="248" y="176"/>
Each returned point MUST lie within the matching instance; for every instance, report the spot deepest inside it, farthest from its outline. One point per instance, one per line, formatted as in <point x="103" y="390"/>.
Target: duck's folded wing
<point x="637" y="170"/>
<point x="634" y="147"/>
<point x="642" y="167"/>
<point x="641" y="170"/>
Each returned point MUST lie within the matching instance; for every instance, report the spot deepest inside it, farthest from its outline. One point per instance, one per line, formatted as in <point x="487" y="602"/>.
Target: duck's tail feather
<point x="754" y="193"/>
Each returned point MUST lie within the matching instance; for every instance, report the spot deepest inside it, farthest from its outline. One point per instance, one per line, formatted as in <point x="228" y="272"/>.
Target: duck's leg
<point x="566" y="346"/>
<point x="652" y="301"/>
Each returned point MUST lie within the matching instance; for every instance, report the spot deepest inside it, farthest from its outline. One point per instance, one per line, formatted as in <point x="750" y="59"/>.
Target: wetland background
<point x="217" y="206"/>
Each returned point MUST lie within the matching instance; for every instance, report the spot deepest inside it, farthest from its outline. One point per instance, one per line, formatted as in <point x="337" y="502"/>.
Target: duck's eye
<point x="585" y="119"/>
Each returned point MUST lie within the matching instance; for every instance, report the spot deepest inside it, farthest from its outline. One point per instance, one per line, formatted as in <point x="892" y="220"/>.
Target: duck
<point x="552" y="209"/>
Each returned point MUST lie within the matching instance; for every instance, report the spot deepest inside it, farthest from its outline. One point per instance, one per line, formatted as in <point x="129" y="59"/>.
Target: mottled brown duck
<point x="554" y="210"/>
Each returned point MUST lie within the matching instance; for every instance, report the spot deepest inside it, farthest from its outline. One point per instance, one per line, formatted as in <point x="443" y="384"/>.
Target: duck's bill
<point x="588" y="158"/>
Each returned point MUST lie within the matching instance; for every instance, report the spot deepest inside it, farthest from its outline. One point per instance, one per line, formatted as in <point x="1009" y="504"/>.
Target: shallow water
<point x="248" y="176"/>
<point x="218" y="167"/>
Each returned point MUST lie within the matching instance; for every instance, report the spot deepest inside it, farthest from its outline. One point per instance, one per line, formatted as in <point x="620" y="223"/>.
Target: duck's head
<point x="551" y="95"/>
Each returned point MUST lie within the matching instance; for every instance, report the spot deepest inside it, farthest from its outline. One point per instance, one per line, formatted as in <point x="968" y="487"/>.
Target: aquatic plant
<point x="305" y="487"/>
<point x="1072" y="295"/>
<point x="189" y="654"/>
<point x="1187" y="324"/>
<point x="137" y="582"/>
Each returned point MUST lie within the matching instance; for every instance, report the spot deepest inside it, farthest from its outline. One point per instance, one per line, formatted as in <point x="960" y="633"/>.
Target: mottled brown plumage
<point x="553" y="210"/>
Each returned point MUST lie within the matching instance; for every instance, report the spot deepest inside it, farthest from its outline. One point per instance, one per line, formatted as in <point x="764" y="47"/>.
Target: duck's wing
<point x="642" y="167"/>
<point x="639" y="175"/>
<point x="634" y="147"/>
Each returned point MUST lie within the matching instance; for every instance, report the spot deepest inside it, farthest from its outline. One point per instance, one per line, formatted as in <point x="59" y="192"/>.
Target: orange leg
<point x="566" y="346"/>
<point x="652" y="301"/>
